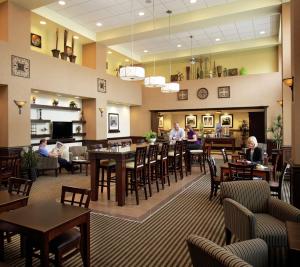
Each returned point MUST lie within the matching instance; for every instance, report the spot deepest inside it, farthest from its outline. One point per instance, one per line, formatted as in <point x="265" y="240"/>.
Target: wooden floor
<point x="48" y="188"/>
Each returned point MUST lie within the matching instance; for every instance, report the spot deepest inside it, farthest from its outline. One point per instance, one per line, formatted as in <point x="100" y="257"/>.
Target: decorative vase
<point x="219" y="71"/>
<point x="152" y="141"/>
<point x="63" y="55"/>
<point x="72" y="58"/>
<point x="225" y="72"/>
<point x="55" y="53"/>
<point x="188" y="69"/>
<point x="201" y="74"/>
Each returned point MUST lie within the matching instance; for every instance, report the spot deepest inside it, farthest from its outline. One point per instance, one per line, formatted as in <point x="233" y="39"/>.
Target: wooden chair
<point x="162" y="160"/>
<point x="198" y="154"/>
<point x="8" y="167"/>
<point x="67" y="244"/>
<point x="276" y="186"/>
<point x="175" y="160"/>
<point x="214" y="179"/>
<point x="276" y="164"/>
<point x="135" y="173"/>
<point x="206" y="154"/>
<point x="152" y="167"/>
<point x="224" y="154"/>
<point x="239" y="171"/>
<point x="185" y="158"/>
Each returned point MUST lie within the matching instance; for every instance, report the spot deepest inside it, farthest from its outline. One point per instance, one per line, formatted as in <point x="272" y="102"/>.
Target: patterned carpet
<point x="158" y="241"/>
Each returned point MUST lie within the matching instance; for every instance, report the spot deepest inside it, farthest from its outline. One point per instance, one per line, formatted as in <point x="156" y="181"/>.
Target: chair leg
<point x="148" y="178"/>
<point x="102" y="180"/>
<point x="58" y="259"/>
<point x="167" y="171"/>
<point x="108" y="183"/>
<point x="228" y="236"/>
<point x="56" y="173"/>
<point x="211" y="191"/>
<point x="136" y="192"/>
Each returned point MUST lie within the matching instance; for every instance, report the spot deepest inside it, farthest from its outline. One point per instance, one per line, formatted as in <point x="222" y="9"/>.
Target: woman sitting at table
<point x="193" y="142"/>
<point x="253" y="153"/>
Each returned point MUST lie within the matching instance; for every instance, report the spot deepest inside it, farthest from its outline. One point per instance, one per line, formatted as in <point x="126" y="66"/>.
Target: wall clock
<point x="202" y="93"/>
<point x="20" y="66"/>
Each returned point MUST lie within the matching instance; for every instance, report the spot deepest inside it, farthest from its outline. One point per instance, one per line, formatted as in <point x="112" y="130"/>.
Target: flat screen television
<point x="62" y="129"/>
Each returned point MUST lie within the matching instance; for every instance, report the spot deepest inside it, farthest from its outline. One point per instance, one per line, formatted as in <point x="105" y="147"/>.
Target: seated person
<point x="193" y="142"/>
<point x="55" y="154"/>
<point x="176" y="133"/>
<point x="253" y="153"/>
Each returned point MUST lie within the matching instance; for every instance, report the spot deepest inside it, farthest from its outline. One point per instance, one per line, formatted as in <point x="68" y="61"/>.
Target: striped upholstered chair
<point x="248" y="253"/>
<point x="250" y="212"/>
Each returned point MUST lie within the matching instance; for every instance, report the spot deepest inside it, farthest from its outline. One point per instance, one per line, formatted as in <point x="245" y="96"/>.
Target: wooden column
<point x="154" y="121"/>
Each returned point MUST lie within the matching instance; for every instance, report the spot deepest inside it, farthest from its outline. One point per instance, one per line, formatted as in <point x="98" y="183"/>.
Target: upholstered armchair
<point x="78" y="152"/>
<point x="242" y="254"/>
<point x="250" y="212"/>
<point x="46" y="164"/>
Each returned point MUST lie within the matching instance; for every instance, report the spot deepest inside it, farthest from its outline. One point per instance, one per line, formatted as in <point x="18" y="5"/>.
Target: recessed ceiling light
<point x="218" y="39"/>
<point x="62" y="3"/>
<point x="76" y="37"/>
<point x="76" y="97"/>
<point x="109" y="52"/>
<point x="99" y="24"/>
<point x="262" y="32"/>
<point x="36" y="91"/>
<point x="179" y="45"/>
<point x="141" y="13"/>
<point x="58" y="95"/>
<point x="127" y="60"/>
<point x="43" y="22"/>
<point x="193" y="1"/>
<point x="146" y="51"/>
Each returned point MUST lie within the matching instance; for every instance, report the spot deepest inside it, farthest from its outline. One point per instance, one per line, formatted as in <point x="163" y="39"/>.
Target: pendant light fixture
<point x="154" y="81"/>
<point x="170" y="87"/>
<point x="132" y="73"/>
<point x="193" y="60"/>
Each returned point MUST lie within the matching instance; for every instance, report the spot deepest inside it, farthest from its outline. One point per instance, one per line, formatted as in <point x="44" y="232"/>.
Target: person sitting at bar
<point x="176" y="133"/>
<point x="253" y="153"/>
<point x="43" y="151"/>
<point x="193" y="142"/>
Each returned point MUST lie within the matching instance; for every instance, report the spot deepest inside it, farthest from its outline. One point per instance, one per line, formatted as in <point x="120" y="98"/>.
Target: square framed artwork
<point x="226" y="120"/>
<point x="20" y="67"/>
<point x="101" y="85"/>
<point x="208" y="121"/>
<point x="36" y="40"/>
<point x="113" y="123"/>
<point x="233" y="72"/>
<point x="224" y="92"/>
<point x="191" y="120"/>
<point x="160" y="121"/>
<point x="183" y="94"/>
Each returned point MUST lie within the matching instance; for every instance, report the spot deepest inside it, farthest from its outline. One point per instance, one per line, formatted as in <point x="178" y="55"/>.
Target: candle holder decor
<point x="55" y="52"/>
<point x="64" y="55"/>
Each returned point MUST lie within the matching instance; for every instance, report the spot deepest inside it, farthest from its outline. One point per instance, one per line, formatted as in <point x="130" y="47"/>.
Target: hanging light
<point x="193" y="60"/>
<point x="154" y="81"/>
<point x="170" y="87"/>
<point x="132" y="73"/>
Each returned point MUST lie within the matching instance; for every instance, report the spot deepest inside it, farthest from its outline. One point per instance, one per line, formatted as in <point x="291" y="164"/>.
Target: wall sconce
<point x="290" y="83"/>
<point x="280" y="102"/>
<point x="101" y="111"/>
<point x="20" y="104"/>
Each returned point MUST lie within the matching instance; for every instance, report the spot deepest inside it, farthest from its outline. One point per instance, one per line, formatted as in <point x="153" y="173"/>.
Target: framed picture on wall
<point x="191" y="120"/>
<point x="36" y="40"/>
<point x="101" y="85"/>
<point x="113" y="123"/>
<point x="226" y="120"/>
<point x="183" y="94"/>
<point x="208" y="121"/>
<point x="160" y="121"/>
<point x="224" y="92"/>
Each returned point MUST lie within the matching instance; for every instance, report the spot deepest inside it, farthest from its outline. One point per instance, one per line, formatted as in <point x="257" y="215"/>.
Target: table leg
<point x="222" y="175"/>
<point x="44" y="251"/>
<point x="94" y="179"/>
<point x="1" y="246"/>
<point x="86" y="169"/>
<point x="85" y="241"/>
<point x="80" y="167"/>
<point x="121" y="180"/>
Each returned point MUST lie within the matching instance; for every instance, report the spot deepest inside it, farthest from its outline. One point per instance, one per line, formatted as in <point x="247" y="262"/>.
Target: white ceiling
<point x="115" y="14"/>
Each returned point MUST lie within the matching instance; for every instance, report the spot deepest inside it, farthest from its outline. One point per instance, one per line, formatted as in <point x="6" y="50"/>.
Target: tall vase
<point x="219" y="71"/>
<point x="188" y="69"/>
<point x="55" y="53"/>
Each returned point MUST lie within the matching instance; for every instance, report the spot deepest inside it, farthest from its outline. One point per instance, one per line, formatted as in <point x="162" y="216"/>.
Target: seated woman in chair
<point x="253" y="153"/>
<point x="193" y="142"/>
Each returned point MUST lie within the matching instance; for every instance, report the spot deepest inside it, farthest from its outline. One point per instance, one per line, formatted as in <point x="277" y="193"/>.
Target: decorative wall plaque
<point x="20" y="66"/>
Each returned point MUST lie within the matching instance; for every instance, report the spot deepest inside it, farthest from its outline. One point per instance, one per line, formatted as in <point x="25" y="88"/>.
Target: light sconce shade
<point x="170" y="88"/>
<point x="20" y="104"/>
<point x="290" y="83"/>
<point x="101" y="111"/>
<point x="132" y="73"/>
<point x="154" y="81"/>
<point x="280" y="102"/>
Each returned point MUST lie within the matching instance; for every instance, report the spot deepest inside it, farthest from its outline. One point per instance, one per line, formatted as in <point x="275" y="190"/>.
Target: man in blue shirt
<point x="177" y="133"/>
<point x="43" y="151"/>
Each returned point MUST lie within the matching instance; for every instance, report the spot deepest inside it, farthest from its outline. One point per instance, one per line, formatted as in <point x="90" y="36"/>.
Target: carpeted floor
<point x="158" y="241"/>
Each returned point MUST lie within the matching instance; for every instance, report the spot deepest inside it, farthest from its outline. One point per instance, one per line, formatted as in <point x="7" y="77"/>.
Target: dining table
<point x="263" y="172"/>
<point x="46" y="220"/>
<point x="118" y="153"/>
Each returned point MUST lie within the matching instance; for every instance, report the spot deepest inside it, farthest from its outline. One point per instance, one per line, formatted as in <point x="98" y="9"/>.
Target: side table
<point x="293" y="234"/>
<point x="81" y="162"/>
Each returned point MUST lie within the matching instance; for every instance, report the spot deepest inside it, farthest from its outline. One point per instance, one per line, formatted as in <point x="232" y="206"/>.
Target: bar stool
<point x="185" y="157"/>
<point x="198" y="153"/>
<point x="151" y="164"/>
<point x="175" y="160"/>
<point x="108" y="165"/>
<point x="163" y="164"/>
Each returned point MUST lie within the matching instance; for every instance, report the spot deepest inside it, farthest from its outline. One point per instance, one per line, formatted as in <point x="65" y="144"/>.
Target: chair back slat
<point x="178" y="148"/>
<point x="8" y="166"/>
<point x="241" y="171"/>
<point x="140" y="156"/>
<point x="224" y="154"/>
<point x="212" y="167"/>
<point x="164" y="150"/>
<point x="19" y="186"/>
<point x="152" y="154"/>
<point x="75" y="196"/>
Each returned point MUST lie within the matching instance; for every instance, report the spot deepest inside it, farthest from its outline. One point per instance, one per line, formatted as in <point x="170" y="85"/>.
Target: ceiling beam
<point x="32" y="4"/>
<point x="221" y="48"/>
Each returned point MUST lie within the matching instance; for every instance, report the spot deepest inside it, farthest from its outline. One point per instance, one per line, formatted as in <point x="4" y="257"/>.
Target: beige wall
<point x="246" y="91"/>
<point x="53" y="75"/>
<point x="3" y="21"/>
<point x="3" y="115"/>
<point x="255" y="61"/>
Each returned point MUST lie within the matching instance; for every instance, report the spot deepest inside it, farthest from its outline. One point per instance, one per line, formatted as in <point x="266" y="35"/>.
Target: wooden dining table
<point x="264" y="173"/>
<point x="119" y="154"/>
<point x="46" y="220"/>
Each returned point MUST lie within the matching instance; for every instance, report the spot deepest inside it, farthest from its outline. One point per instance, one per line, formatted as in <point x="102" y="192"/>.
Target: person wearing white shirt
<point x="177" y="133"/>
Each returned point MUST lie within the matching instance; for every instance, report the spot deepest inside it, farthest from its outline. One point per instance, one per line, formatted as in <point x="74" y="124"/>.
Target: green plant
<point x="276" y="129"/>
<point x="73" y="104"/>
<point x="150" y="135"/>
<point x="55" y="102"/>
<point x="29" y="159"/>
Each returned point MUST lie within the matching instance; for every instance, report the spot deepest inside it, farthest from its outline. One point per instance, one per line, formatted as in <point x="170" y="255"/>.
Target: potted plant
<point x="78" y="129"/>
<point x="73" y="104"/>
<point x="151" y="137"/>
<point x="29" y="163"/>
<point x="276" y="129"/>
<point x="55" y="102"/>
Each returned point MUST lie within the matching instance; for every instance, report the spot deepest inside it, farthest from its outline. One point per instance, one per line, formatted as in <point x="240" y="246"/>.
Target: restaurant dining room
<point x="149" y="133"/>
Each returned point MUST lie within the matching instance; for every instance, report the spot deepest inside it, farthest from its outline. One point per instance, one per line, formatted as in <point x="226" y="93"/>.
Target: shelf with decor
<point x="40" y="121"/>
<point x="79" y="134"/>
<point x="82" y="122"/>
<point x="40" y="135"/>
<point x="54" y="107"/>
